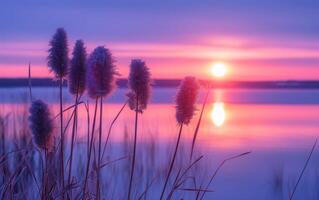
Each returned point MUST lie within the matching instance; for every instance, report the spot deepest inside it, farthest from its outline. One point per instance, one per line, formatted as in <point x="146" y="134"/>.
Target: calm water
<point x="278" y="126"/>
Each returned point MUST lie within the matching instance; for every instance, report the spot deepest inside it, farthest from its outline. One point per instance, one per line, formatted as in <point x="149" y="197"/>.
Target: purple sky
<point x="260" y="39"/>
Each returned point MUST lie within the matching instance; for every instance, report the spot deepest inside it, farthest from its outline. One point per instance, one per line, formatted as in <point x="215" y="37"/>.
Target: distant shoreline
<point x="122" y="83"/>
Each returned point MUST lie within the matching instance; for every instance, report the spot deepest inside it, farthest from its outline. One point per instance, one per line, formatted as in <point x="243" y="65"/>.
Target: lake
<point x="279" y="127"/>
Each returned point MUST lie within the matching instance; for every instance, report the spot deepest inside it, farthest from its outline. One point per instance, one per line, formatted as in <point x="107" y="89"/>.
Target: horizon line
<point x="222" y="84"/>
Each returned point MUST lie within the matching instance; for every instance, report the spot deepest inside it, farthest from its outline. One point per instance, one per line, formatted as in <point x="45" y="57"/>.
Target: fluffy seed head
<point x="77" y="71"/>
<point x="41" y="124"/>
<point x="132" y="102"/>
<point x="140" y="84"/>
<point x="186" y="99"/>
<point x="58" y="54"/>
<point x="101" y="73"/>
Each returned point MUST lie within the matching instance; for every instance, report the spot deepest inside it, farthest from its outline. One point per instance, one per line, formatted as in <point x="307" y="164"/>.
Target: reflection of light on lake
<point x="218" y="114"/>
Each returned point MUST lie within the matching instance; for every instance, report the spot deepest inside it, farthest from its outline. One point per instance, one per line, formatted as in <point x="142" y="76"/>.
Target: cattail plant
<point x="76" y="80"/>
<point x="41" y="124"/>
<point x="100" y="79"/>
<point x="185" y="109"/>
<point x="58" y="54"/>
<point x="140" y="84"/>
<point x="76" y="83"/>
<point x="41" y="128"/>
<point x="58" y="63"/>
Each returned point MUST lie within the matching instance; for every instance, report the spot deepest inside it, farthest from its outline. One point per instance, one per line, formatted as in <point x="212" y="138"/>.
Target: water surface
<point x="278" y="126"/>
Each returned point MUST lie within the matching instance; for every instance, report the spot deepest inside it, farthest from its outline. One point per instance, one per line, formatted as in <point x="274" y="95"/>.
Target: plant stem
<point x="110" y="128"/>
<point x="44" y="184"/>
<point x="73" y="138"/>
<point x="134" y="150"/>
<point x="29" y="82"/>
<point x="303" y="170"/>
<point x="62" y="136"/>
<point x="99" y="153"/>
<point x="173" y="160"/>
<point x="218" y="168"/>
<point x="90" y="149"/>
<point x="198" y="124"/>
<point x="88" y="127"/>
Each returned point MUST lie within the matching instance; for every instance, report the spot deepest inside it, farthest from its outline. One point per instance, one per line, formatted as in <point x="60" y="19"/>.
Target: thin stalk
<point x="90" y="150"/>
<point x="134" y="150"/>
<point x="73" y="137"/>
<point x="86" y="105"/>
<point x="179" y="178"/>
<point x="218" y="168"/>
<point x="303" y="170"/>
<point x="198" y="123"/>
<point x="44" y="184"/>
<point x="29" y="81"/>
<point x="110" y="128"/>
<point x="147" y="188"/>
<point x="68" y="122"/>
<point x="32" y="173"/>
<point x="173" y="160"/>
<point x="99" y="153"/>
<point x="66" y="109"/>
<point x="62" y="137"/>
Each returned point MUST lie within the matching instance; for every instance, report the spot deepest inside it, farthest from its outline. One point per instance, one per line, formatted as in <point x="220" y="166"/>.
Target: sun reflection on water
<point x="218" y="114"/>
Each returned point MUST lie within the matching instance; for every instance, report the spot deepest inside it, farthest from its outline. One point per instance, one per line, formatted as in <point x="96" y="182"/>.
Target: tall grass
<point x="76" y="83"/>
<point x="101" y="73"/>
<point x="58" y="62"/>
<point x="149" y="172"/>
<point x="139" y="83"/>
<point x="91" y="141"/>
<point x="185" y="108"/>
<point x="36" y="169"/>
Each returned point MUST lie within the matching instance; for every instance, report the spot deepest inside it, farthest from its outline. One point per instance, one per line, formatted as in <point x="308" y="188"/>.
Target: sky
<point x="256" y="39"/>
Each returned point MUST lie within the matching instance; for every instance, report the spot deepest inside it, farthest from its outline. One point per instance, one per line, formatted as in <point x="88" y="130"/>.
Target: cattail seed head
<point x="186" y="99"/>
<point x="101" y="73"/>
<point x="131" y="100"/>
<point x="58" y="54"/>
<point x="77" y="71"/>
<point x="41" y="124"/>
<point x="140" y="84"/>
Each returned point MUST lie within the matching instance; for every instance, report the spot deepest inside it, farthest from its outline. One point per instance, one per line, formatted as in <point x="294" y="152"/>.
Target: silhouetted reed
<point x="111" y="126"/>
<point x="58" y="63"/>
<point x="216" y="172"/>
<point x="140" y="84"/>
<point x="4" y="166"/>
<point x="291" y="196"/>
<point x="76" y="80"/>
<point x="148" y="170"/>
<point x="76" y="83"/>
<point x="58" y="54"/>
<point x="186" y="99"/>
<point x="185" y="109"/>
<point x="41" y="128"/>
<point x="41" y="125"/>
<point x="100" y="78"/>
<point x="97" y="75"/>
<point x="100" y="73"/>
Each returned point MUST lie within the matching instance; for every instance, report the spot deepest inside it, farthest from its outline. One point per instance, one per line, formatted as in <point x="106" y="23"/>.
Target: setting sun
<point x="218" y="69"/>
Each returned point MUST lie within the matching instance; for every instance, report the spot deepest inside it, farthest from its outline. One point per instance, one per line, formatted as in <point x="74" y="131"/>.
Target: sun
<point x="218" y="69"/>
